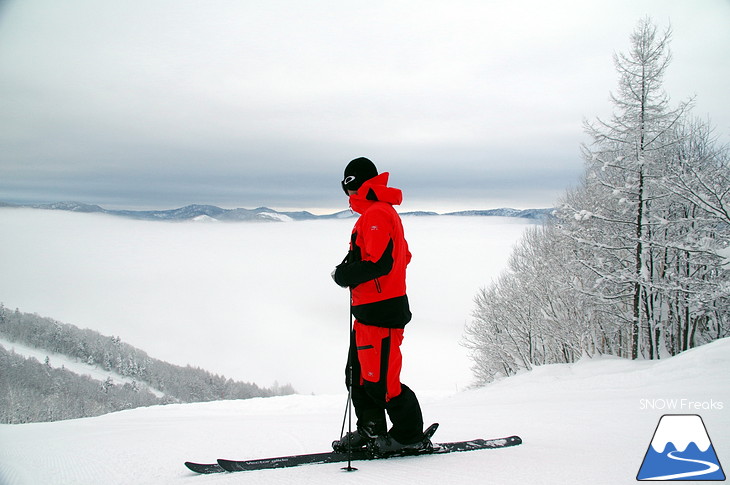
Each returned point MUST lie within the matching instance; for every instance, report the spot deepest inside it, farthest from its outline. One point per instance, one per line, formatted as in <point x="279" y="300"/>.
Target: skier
<point x="375" y="271"/>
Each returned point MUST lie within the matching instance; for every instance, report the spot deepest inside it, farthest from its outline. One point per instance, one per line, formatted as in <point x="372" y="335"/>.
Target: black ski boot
<point x="385" y="445"/>
<point x="360" y="438"/>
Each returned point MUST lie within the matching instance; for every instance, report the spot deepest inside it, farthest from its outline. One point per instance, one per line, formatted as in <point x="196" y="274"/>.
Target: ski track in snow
<point x="581" y="424"/>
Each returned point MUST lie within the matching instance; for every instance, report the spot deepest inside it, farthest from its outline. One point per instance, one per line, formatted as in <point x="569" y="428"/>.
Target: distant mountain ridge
<point x="198" y="212"/>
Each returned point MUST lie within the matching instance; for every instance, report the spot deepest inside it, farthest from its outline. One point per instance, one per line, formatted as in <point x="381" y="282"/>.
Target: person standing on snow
<point x="375" y="271"/>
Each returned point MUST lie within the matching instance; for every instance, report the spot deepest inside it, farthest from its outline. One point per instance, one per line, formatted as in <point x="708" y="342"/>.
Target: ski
<point x="204" y="468"/>
<point x="357" y="455"/>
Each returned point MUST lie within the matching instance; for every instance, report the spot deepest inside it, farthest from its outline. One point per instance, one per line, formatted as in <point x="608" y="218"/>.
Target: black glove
<point x="338" y="268"/>
<point x="334" y="277"/>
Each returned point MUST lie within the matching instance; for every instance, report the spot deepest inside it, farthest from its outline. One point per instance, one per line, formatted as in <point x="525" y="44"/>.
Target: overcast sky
<point x="237" y="103"/>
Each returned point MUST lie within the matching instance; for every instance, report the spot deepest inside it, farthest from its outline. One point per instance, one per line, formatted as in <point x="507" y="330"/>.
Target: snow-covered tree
<point x="648" y="218"/>
<point x="700" y="174"/>
<point x="624" y="163"/>
<point x="633" y="263"/>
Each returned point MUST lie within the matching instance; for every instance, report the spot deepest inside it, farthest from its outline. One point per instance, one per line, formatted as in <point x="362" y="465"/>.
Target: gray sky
<point x="469" y="104"/>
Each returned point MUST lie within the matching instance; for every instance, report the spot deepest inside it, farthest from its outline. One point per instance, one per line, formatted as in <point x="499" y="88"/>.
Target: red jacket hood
<point x="375" y="190"/>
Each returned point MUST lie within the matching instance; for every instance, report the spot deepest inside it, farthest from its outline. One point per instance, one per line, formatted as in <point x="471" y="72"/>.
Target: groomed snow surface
<point x="584" y="423"/>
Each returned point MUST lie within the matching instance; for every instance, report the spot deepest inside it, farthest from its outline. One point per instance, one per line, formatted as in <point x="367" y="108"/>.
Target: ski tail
<point x="430" y="431"/>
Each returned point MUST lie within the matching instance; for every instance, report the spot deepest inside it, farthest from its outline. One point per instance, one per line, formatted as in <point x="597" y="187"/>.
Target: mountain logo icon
<point x="681" y="450"/>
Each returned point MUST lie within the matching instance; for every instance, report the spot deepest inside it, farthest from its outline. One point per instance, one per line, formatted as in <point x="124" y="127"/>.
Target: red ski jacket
<point x="375" y="266"/>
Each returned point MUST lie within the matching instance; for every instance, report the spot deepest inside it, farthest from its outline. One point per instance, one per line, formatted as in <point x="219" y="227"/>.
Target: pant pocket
<point x="369" y="342"/>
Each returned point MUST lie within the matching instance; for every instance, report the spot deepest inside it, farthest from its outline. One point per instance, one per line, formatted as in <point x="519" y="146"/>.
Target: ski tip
<point x="204" y="468"/>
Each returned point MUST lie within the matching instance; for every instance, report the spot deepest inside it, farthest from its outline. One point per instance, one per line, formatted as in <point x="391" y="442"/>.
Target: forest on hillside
<point x="33" y="391"/>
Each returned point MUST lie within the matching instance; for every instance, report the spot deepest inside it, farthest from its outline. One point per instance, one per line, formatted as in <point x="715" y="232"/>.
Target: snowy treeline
<point x="635" y="264"/>
<point x="32" y="391"/>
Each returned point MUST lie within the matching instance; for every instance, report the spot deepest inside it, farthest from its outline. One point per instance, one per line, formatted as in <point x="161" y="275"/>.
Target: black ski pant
<point x="376" y="388"/>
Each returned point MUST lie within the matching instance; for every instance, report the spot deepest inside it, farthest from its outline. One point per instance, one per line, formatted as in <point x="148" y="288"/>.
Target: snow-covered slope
<point x="58" y="361"/>
<point x="585" y="423"/>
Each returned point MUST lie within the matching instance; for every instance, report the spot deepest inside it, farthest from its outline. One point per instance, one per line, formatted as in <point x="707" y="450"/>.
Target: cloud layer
<point x="167" y="102"/>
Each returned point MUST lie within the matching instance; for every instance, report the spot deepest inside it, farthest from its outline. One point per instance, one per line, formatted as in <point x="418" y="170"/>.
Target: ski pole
<point x="348" y="408"/>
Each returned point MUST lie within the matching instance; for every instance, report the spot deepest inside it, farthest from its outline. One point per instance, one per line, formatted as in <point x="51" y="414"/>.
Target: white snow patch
<point x="204" y="218"/>
<point x="275" y="217"/>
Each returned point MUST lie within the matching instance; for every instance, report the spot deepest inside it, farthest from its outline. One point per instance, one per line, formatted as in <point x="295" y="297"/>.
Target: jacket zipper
<point x="377" y="285"/>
